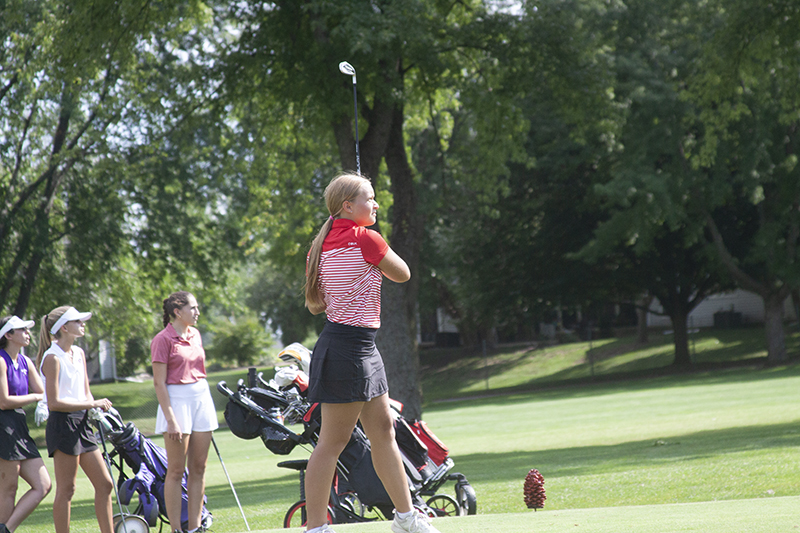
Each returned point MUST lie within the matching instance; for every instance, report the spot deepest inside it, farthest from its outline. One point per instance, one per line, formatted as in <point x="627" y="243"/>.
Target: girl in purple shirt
<point x="20" y="385"/>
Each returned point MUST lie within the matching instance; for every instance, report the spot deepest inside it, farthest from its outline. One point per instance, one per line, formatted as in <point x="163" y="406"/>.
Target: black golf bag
<point x="262" y="409"/>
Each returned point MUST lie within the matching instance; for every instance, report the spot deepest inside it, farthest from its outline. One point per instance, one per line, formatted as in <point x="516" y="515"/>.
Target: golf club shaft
<point x="214" y="442"/>
<point x="355" y="109"/>
<point x="111" y="473"/>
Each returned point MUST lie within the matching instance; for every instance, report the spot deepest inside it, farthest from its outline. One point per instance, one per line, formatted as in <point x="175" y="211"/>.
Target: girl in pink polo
<point x="186" y="414"/>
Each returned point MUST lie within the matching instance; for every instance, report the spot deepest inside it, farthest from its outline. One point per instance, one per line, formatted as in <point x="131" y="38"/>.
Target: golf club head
<point x="347" y="68"/>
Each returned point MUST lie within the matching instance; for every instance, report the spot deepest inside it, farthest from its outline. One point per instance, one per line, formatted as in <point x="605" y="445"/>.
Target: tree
<point x="744" y="87"/>
<point x="651" y="214"/>
<point x="115" y="183"/>
<point x="502" y="227"/>
<point x="403" y="52"/>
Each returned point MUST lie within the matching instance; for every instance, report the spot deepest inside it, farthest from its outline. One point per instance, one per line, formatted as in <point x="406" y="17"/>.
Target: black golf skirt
<point x="16" y="443"/>
<point x="346" y="366"/>
<point x="70" y="433"/>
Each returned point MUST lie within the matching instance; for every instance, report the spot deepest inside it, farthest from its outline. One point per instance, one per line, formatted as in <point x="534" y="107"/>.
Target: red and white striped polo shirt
<point x="348" y="274"/>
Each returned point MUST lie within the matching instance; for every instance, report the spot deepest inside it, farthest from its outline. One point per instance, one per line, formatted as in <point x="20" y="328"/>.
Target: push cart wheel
<point x="444" y="505"/>
<point x="350" y="501"/>
<point x="132" y="524"/>
<point x="467" y="500"/>
<point x="296" y="515"/>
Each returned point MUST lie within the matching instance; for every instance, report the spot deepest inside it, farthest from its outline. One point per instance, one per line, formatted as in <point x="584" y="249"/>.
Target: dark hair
<point x="174" y="301"/>
<point x="3" y="340"/>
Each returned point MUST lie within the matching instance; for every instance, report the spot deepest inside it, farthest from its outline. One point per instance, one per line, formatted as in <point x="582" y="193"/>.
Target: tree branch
<point x="746" y="281"/>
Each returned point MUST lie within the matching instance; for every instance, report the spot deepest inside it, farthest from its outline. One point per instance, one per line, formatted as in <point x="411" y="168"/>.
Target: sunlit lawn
<point x="606" y="447"/>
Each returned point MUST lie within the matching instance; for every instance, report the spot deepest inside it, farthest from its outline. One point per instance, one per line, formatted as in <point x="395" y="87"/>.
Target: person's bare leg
<point x="66" y="471"/>
<point x="338" y="421"/>
<point x="94" y="466"/>
<point x="9" y="482"/>
<point x="35" y="474"/>
<point x="378" y="424"/>
<point x="176" y="465"/>
<point x="197" y="459"/>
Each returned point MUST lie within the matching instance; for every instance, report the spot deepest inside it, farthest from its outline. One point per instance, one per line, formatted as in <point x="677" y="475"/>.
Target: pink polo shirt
<point x="185" y="358"/>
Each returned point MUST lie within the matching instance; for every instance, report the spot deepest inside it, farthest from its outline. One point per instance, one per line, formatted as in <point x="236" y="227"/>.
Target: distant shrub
<point x="241" y="341"/>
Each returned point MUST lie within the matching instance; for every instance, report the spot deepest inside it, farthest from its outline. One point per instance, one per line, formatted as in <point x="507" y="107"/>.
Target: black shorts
<point x="70" y="433"/>
<point x="346" y="366"/>
<point x="16" y="443"/>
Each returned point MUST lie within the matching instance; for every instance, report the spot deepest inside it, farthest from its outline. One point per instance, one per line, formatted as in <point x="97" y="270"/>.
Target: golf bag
<point x="262" y="409"/>
<point x="148" y="464"/>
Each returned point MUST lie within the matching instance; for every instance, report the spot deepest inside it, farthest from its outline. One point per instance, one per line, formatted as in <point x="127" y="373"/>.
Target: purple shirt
<point x="17" y="376"/>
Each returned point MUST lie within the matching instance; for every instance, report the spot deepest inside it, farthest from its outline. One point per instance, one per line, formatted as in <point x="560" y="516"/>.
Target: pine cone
<point x="534" y="490"/>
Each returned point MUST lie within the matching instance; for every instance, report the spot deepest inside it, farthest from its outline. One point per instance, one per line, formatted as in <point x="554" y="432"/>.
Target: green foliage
<point x="153" y="147"/>
<point x="240" y="340"/>
<point x="113" y="189"/>
<point x="525" y="216"/>
<point x="135" y="358"/>
<point x="278" y="296"/>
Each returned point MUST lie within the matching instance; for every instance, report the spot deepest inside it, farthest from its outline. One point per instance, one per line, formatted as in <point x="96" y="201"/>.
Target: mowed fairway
<point x="710" y="452"/>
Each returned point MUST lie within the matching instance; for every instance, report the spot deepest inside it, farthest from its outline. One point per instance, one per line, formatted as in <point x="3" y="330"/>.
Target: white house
<point x="747" y="305"/>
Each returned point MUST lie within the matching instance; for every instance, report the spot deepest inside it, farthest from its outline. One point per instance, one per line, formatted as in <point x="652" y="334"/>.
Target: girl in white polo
<point x="70" y="440"/>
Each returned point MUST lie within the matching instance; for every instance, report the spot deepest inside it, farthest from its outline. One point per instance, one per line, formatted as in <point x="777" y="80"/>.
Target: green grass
<point x="713" y="450"/>
<point x="449" y="373"/>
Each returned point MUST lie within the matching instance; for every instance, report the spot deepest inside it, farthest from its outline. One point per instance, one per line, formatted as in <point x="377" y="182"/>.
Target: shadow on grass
<point x="591" y="460"/>
<point x="614" y="384"/>
<point x="453" y="373"/>
<point x="250" y="493"/>
<point x="490" y="467"/>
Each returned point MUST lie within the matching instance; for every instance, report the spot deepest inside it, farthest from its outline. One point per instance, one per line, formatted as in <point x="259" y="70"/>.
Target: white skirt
<point x="193" y="407"/>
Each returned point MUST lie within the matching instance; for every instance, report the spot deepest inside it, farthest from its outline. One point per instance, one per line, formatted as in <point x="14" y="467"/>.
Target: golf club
<point x="230" y="482"/>
<point x="347" y="69"/>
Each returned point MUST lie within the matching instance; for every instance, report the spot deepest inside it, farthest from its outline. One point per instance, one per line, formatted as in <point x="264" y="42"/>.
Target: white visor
<point x="70" y="315"/>
<point x="16" y="322"/>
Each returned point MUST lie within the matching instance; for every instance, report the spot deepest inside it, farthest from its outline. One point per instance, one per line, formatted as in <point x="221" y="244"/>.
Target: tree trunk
<point x="372" y="146"/>
<point x="681" y="337"/>
<point x="397" y="339"/>
<point x="773" y="326"/>
<point x="773" y="299"/>
<point x="397" y="343"/>
<point x="41" y="240"/>
<point x="641" y="318"/>
<point x="12" y="277"/>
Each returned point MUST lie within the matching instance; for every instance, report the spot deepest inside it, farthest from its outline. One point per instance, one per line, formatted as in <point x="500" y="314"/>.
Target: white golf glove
<point x="41" y="413"/>
<point x="285" y="376"/>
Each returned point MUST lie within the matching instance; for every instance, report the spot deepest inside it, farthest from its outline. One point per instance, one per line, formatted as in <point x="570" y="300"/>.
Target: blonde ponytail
<point x="45" y="339"/>
<point x="343" y="188"/>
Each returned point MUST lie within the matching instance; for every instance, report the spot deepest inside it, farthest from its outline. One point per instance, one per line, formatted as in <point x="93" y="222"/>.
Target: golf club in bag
<point x="148" y="469"/>
<point x="137" y="523"/>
